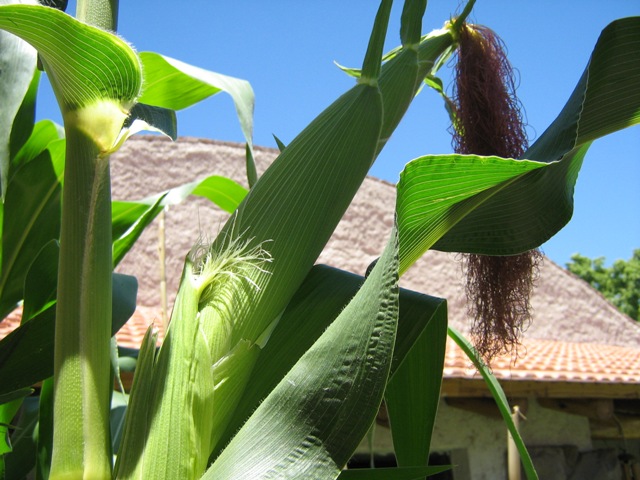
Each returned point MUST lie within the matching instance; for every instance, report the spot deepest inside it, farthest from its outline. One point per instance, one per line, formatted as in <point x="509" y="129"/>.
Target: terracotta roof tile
<point x="538" y="360"/>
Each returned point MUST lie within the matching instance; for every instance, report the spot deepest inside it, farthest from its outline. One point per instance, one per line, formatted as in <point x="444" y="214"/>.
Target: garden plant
<point x="272" y="367"/>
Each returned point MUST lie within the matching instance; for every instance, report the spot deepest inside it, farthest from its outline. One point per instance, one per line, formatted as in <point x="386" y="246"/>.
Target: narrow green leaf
<point x="280" y="143"/>
<point x="437" y="191"/>
<point x="310" y="417"/>
<point x="400" y="473"/>
<point x="411" y="22"/>
<point x="173" y="84"/>
<point x="413" y="393"/>
<point x="17" y="68"/>
<point x="136" y="426"/>
<point x="499" y="397"/>
<point x="8" y="397"/>
<point x="606" y="99"/>
<point x="44" y="437"/>
<point x="371" y="64"/>
<point x="128" y="221"/>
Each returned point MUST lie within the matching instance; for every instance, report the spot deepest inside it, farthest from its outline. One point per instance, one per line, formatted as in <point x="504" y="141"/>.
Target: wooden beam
<point x="485" y="406"/>
<point x="622" y="426"/>
<point x="476" y="387"/>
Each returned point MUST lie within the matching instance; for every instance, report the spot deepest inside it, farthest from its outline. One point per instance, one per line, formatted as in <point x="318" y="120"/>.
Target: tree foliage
<point x="620" y="283"/>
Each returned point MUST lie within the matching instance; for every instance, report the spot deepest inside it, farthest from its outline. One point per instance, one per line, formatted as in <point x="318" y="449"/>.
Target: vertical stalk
<point x="82" y="369"/>
<point x="81" y="443"/>
<point x="100" y="13"/>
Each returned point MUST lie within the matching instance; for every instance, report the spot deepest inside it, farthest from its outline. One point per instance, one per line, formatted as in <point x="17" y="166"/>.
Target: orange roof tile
<point x="538" y="360"/>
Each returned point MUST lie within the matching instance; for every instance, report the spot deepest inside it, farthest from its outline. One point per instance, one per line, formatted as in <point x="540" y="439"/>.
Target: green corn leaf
<point x="173" y="84"/>
<point x="499" y="397"/>
<point x="153" y="119"/>
<point x="44" y="429"/>
<point x="8" y="410"/>
<point x="17" y="68"/>
<point x="528" y="212"/>
<point x="437" y="191"/>
<point x="413" y="393"/>
<point x="323" y="295"/>
<point x="128" y="221"/>
<point x="95" y="75"/>
<point x="309" y="418"/>
<point x="371" y="64"/>
<point x="23" y="456"/>
<point x="400" y="473"/>
<point x="9" y="397"/>
<point x="136" y="426"/>
<point x="31" y="218"/>
<point x="26" y="354"/>
<point x="41" y="136"/>
<point x="40" y="281"/>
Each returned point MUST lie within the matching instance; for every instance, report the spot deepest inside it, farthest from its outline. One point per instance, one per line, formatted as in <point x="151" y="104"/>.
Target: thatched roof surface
<point x="565" y="307"/>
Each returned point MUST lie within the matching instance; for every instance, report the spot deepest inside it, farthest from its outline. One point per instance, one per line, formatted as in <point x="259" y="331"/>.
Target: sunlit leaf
<point x="528" y="212"/>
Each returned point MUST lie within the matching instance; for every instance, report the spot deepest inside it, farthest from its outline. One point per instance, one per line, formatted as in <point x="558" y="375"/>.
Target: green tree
<point x="620" y="283"/>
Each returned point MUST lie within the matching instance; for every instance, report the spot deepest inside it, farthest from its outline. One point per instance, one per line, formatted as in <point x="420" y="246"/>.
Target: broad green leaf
<point x="17" y="68"/>
<point x="40" y="281"/>
<point x="528" y="212"/>
<point x="26" y="354"/>
<point x="413" y="394"/>
<point x="318" y="413"/>
<point x="499" y="397"/>
<point x="85" y="64"/>
<point x="320" y="299"/>
<point x="31" y="219"/>
<point x="43" y="134"/>
<point x="173" y="84"/>
<point x="400" y="473"/>
<point x="322" y="164"/>
<point x="437" y="191"/>
<point x="95" y="75"/>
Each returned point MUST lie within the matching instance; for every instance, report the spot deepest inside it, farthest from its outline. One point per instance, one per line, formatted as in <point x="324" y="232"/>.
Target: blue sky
<point x="286" y="49"/>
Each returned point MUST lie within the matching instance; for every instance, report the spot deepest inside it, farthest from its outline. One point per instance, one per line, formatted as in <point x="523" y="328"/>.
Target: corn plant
<point x="271" y="367"/>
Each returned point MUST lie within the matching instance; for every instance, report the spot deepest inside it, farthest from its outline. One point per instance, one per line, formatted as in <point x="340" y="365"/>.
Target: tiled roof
<point x="554" y="361"/>
<point x="538" y="360"/>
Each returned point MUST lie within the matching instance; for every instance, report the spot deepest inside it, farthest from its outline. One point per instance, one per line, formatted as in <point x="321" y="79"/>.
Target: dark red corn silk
<point x="489" y="122"/>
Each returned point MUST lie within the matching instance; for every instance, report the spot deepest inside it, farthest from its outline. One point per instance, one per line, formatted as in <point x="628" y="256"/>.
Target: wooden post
<point x="513" y="457"/>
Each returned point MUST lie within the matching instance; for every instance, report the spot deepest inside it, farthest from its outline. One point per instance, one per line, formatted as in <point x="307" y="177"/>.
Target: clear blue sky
<point x="286" y="49"/>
